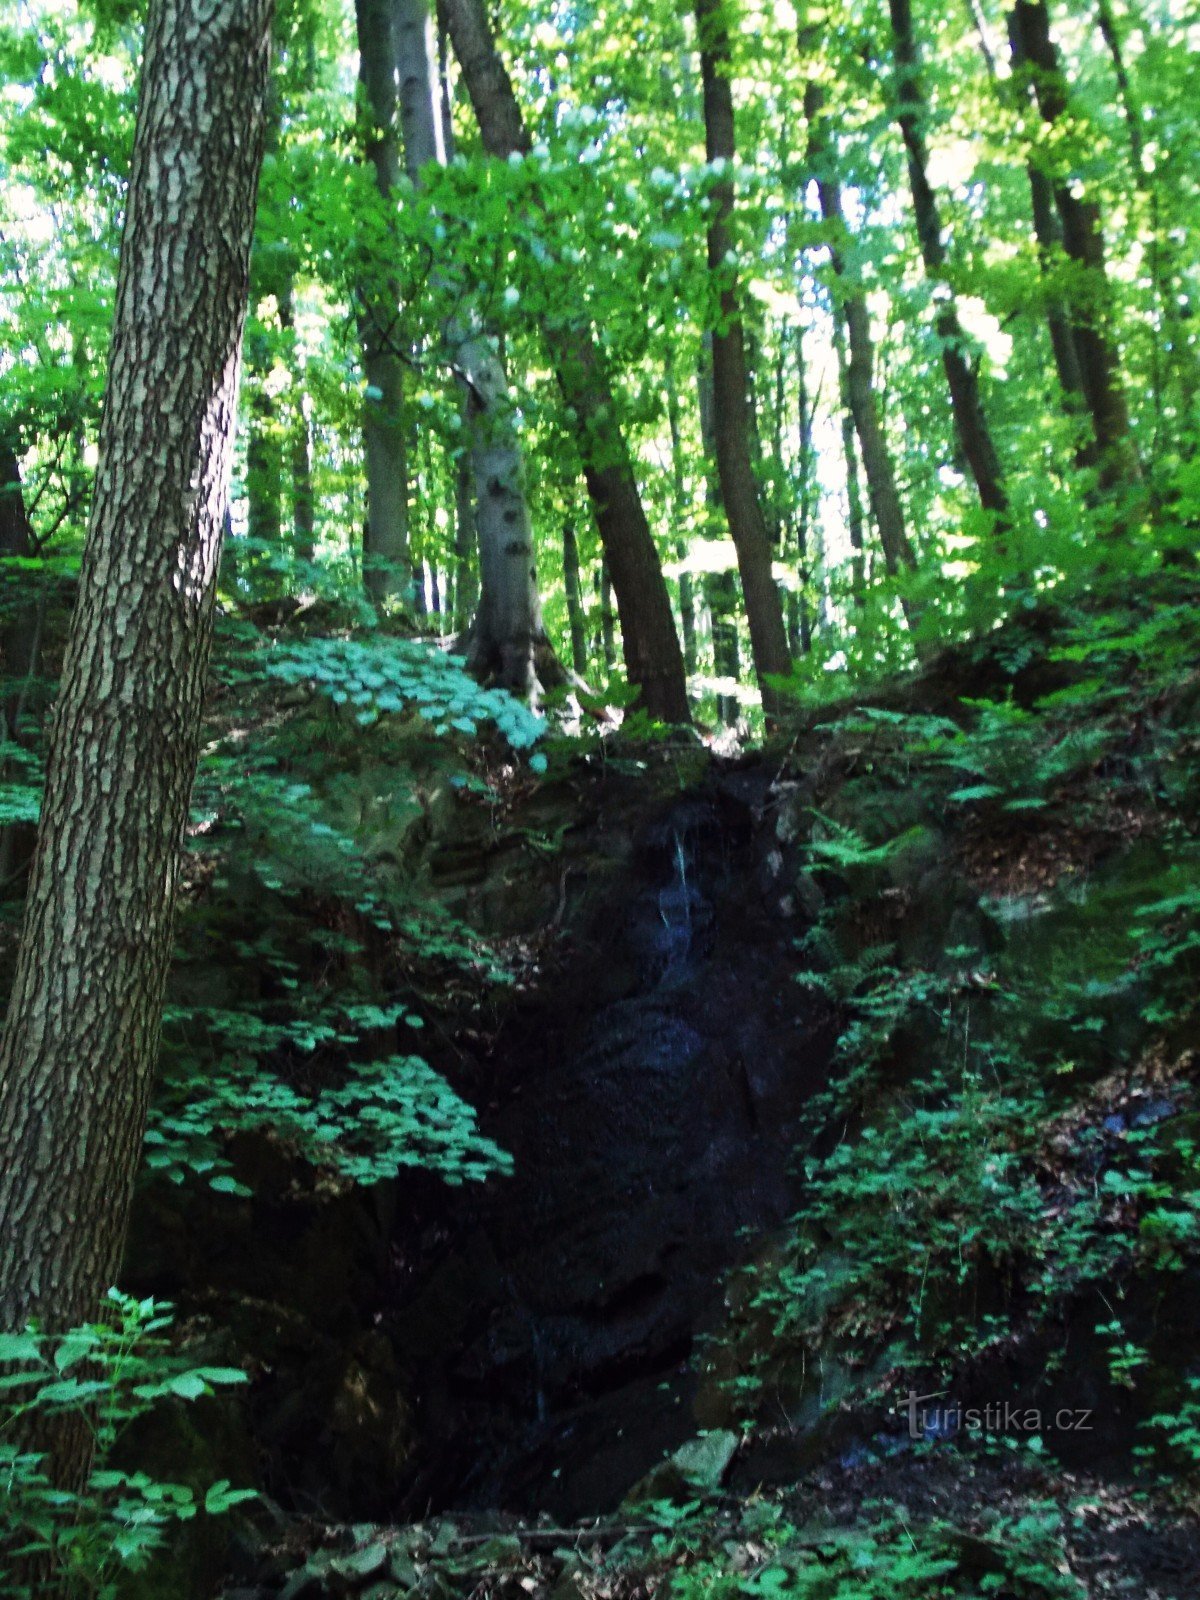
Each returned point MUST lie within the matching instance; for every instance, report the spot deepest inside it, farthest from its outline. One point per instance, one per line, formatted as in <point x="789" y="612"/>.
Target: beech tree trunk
<point x="386" y="570"/>
<point x="962" y="374"/>
<point x="80" y="1040"/>
<point x="854" y="505"/>
<point x="1034" y="51"/>
<point x="720" y="588"/>
<point x="735" y="462"/>
<point x="506" y="641"/>
<point x="652" y="655"/>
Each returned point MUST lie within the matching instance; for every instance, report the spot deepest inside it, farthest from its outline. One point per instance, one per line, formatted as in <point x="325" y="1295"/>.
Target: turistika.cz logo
<point x="933" y="1416"/>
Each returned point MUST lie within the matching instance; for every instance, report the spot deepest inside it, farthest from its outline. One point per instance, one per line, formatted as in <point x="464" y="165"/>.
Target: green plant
<point x="102" y="1376"/>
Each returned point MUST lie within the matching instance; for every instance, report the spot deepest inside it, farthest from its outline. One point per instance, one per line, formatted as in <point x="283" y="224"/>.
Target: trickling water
<point x="675" y="907"/>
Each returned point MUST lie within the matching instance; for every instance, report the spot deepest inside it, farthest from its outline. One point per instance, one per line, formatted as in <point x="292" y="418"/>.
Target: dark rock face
<point x="548" y="1334"/>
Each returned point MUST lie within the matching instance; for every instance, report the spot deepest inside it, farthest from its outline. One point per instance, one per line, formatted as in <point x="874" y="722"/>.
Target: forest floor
<point x="858" y="1067"/>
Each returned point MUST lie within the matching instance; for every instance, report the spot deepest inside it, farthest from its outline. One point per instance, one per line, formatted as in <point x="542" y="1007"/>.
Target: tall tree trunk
<point x="1160" y="254"/>
<point x="299" y="449"/>
<point x="800" y="621"/>
<point x="264" y="463"/>
<point x="608" y="623"/>
<point x="386" y="571"/>
<point x="680" y="508"/>
<point x="854" y="505"/>
<point x="574" y="600"/>
<point x="720" y="588"/>
<point x="962" y="375"/>
<point x="81" y="1036"/>
<point x="506" y="641"/>
<point x="1034" y="51"/>
<point x="652" y="655"/>
<point x="882" y="492"/>
<point x="739" y="489"/>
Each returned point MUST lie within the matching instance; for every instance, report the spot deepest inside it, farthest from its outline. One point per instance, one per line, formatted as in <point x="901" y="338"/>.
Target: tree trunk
<point x="1160" y="253"/>
<point x="739" y="489"/>
<point x="720" y="589"/>
<point x="652" y="655"/>
<point x="608" y="623"/>
<point x="506" y="642"/>
<point x="81" y="1037"/>
<point x="876" y="459"/>
<point x="854" y="505"/>
<point x="299" y="451"/>
<point x="574" y="600"/>
<point x="679" y="507"/>
<point x="386" y="571"/>
<point x="1034" y="50"/>
<point x="962" y="375"/>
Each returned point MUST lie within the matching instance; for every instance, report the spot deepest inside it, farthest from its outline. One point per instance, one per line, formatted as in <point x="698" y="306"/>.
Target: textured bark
<point x="962" y="375"/>
<point x="652" y="655"/>
<point x="81" y="1035"/>
<point x="386" y="571"/>
<point x="876" y="459"/>
<point x="1034" y="51"/>
<point x="506" y="642"/>
<point x="739" y="488"/>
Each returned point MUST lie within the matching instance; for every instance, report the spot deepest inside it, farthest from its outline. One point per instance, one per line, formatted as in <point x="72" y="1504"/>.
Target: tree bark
<point x="735" y="466"/>
<point x="1035" y="53"/>
<point x="652" y="655"/>
<point x="962" y="375"/>
<point x="81" y="1035"/>
<point x="386" y="569"/>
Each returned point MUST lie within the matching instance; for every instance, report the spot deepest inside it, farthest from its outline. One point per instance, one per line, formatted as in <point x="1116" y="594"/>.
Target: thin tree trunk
<point x="652" y="655"/>
<point x="81" y="1036"/>
<point x="962" y="375"/>
<point x="876" y="459"/>
<point x="720" y="588"/>
<point x="1034" y="50"/>
<point x="735" y="466"/>
<point x="386" y="572"/>
<point x="574" y="600"/>
<point x="854" y="504"/>
<point x="679" y="499"/>
<point x="608" y="625"/>
<point x="23" y="598"/>
<point x="1163" y="268"/>
<point x="800" y="620"/>
<point x="299" y="450"/>
<point x="506" y="641"/>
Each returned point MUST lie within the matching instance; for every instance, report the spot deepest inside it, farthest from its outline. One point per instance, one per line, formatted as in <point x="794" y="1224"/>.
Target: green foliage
<point x="102" y="1376"/>
<point x="381" y="1116"/>
<point x="384" y="676"/>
